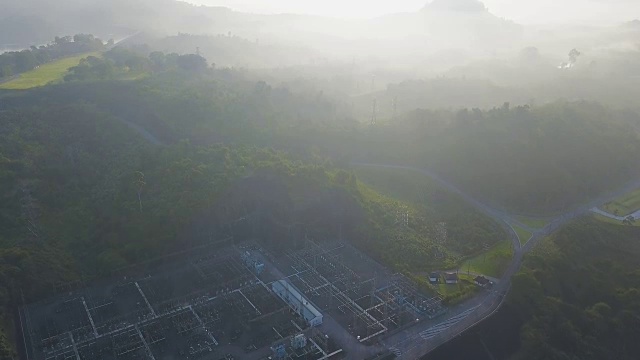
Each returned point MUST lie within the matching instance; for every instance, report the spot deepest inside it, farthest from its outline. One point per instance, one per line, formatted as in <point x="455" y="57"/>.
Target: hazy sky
<point x="522" y="11"/>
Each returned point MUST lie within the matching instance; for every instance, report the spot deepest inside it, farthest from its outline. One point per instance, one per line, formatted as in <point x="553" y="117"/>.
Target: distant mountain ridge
<point x="26" y="22"/>
<point x="411" y="38"/>
<point x="466" y="6"/>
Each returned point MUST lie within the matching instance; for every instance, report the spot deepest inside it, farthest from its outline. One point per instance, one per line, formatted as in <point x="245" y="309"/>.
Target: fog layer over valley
<point x="441" y="35"/>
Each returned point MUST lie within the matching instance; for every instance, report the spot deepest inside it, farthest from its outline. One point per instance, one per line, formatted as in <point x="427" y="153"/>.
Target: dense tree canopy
<point x="579" y="295"/>
<point x="531" y="160"/>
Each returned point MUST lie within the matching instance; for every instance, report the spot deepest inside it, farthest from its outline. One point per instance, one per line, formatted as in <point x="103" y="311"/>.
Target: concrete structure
<point x="297" y="302"/>
<point x="434" y="277"/>
<point x="451" y="278"/>
<point x="279" y="351"/>
<point x="299" y="341"/>
<point x="482" y="281"/>
<point x="251" y="262"/>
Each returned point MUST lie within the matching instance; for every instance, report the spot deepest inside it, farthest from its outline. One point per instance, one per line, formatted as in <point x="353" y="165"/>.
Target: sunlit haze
<point x="353" y="179"/>
<point x="522" y="11"/>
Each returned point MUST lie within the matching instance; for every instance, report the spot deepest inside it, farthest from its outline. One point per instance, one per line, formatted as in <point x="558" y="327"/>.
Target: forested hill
<point x="82" y="193"/>
<point x="529" y="160"/>
<point x="207" y="106"/>
<point x="579" y="297"/>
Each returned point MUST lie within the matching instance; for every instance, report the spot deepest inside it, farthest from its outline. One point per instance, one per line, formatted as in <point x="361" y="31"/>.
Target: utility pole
<point x="140" y="184"/>
<point x="374" y="114"/>
<point x="394" y="104"/>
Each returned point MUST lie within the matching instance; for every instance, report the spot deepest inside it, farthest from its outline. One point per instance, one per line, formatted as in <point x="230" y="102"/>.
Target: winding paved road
<point x="425" y="337"/>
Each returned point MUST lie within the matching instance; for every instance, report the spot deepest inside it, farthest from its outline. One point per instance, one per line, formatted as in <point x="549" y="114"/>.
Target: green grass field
<point x="523" y="234"/>
<point x="624" y="205"/>
<point x="491" y="263"/>
<point x="45" y="74"/>
<point x="458" y="293"/>
<point x="461" y="286"/>
<point x="535" y="223"/>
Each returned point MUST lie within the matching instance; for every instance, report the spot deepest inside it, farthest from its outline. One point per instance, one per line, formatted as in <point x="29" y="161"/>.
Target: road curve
<point x="418" y="345"/>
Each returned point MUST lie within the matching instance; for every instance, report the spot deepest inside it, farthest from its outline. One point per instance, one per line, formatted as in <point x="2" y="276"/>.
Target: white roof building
<point x="297" y="302"/>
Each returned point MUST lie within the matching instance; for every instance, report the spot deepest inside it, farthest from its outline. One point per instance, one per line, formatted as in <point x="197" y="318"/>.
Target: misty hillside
<point x="228" y="50"/>
<point x="416" y="39"/>
<point x="445" y="24"/>
<point x="181" y="181"/>
<point x="33" y="21"/>
<point x="462" y="23"/>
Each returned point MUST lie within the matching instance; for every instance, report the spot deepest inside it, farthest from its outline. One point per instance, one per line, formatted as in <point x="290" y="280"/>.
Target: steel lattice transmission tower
<point x="394" y="104"/>
<point x="374" y="113"/>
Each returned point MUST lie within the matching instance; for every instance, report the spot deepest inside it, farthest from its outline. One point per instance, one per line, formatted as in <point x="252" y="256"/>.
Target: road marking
<point x="437" y="329"/>
<point x="396" y="351"/>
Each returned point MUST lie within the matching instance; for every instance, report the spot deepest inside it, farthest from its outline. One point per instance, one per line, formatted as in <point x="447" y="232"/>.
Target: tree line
<point x="120" y="62"/>
<point x="16" y="62"/>
<point x="578" y="296"/>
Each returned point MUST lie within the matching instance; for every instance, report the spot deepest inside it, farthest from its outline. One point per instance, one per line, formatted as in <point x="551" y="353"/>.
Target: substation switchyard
<point x="322" y="300"/>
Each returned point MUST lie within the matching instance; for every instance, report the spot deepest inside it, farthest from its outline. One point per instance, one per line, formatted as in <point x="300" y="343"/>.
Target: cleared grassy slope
<point x="46" y="73"/>
<point x="491" y="263"/>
